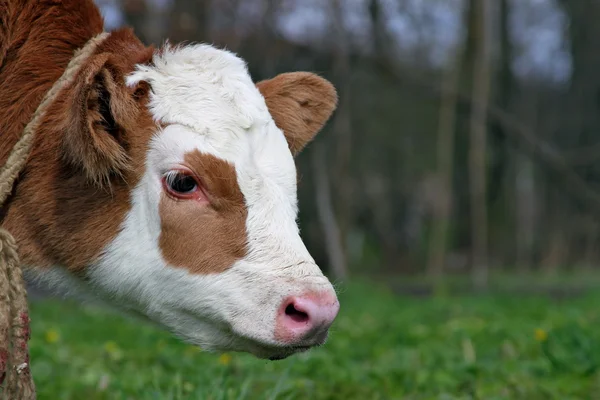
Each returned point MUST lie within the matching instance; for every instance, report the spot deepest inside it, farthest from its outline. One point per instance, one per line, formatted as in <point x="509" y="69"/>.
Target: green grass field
<point x="381" y="347"/>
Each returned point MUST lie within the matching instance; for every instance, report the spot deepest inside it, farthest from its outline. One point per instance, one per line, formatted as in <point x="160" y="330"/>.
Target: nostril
<point x="295" y="314"/>
<point x="305" y="319"/>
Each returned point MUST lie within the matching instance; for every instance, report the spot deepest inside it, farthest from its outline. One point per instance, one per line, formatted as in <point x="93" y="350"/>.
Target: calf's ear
<point x="300" y="104"/>
<point x="102" y="110"/>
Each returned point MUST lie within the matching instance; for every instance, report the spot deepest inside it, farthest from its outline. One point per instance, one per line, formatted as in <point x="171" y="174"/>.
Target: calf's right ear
<point x="102" y="110"/>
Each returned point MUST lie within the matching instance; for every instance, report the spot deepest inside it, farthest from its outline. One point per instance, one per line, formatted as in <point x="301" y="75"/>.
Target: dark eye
<point x="181" y="183"/>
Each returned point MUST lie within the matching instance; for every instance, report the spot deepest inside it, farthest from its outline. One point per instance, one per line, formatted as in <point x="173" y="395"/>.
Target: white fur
<point x="209" y="103"/>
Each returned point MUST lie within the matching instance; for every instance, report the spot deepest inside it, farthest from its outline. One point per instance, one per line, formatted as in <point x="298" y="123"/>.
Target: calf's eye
<point x="183" y="184"/>
<point x="180" y="184"/>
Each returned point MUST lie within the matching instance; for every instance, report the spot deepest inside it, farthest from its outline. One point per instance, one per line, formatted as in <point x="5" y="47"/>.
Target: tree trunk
<point x="525" y="216"/>
<point x="342" y="126"/>
<point x="477" y="153"/>
<point x="590" y="251"/>
<point x="525" y="197"/>
<point x="148" y="20"/>
<point x="136" y="13"/>
<point x="556" y="252"/>
<point x="329" y="225"/>
<point x="189" y="21"/>
<point x="581" y="114"/>
<point x="445" y="163"/>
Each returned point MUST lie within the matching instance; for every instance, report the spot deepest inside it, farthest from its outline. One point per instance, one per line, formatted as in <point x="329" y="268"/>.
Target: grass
<point x="382" y="347"/>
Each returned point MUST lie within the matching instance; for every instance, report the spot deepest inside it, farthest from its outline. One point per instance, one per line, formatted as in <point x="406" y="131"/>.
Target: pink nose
<point x="305" y="320"/>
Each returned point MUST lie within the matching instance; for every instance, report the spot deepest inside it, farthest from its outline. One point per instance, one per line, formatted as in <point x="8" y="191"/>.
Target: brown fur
<point x="57" y="214"/>
<point x="97" y="133"/>
<point x="38" y="40"/>
<point x="205" y="238"/>
<point x="300" y="103"/>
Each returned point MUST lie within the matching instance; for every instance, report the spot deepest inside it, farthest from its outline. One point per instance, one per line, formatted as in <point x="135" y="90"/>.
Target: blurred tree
<point x="147" y="18"/>
<point x="581" y="118"/>
<point x="522" y="187"/>
<point x="525" y="195"/>
<point x="583" y="32"/>
<point x="342" y="123"/>
<point x="445" y="166"/>
<point x="226" y="23"/>
<point x="336" y="225"/>
<point x="480" y="12"/>
<point x="136" y="14"/>
<point x="189" y="20"/>
<point x="331" y="231"/>
<point x="265" y="38"/>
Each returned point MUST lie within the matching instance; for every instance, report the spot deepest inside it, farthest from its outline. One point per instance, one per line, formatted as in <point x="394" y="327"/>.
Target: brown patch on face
<point x="300" y="104"/>
<point x="58" y="215"/>
<point x="205" y="238"/>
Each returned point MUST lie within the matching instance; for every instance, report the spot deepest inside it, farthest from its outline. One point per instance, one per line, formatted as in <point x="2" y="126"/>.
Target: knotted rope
<point x="16" y="381"/>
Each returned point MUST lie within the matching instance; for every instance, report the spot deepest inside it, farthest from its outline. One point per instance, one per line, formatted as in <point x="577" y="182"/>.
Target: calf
<point x="162" y="181"/>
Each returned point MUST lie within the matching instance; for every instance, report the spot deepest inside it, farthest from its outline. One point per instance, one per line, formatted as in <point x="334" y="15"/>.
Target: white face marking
<point x="208" y="102"/>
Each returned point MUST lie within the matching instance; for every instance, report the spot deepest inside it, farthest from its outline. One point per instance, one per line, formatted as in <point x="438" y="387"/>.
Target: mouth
<point x="241" y="342"/>
<point x="261" y="350"/>
<point x="289" y="351"/>
<point x="280" y="353"/>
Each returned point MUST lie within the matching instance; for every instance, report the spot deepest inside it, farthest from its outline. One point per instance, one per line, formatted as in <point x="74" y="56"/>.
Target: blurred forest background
<point x="467" y="138"/>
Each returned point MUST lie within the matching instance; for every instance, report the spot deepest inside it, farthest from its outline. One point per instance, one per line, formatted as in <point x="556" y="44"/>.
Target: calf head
<point x="173" y="194"/>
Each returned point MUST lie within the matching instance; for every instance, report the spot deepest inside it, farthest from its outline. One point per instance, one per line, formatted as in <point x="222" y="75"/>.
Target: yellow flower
<point x="113" y="350"/>
<point x="52" y="336"/>
<point x="111" y="347"/>
<point x="224" y="359"/>
<point x="541" y="335"/>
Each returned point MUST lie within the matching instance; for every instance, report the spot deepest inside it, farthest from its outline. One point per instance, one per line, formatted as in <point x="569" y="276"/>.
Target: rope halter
<point x="16" y="381"/>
